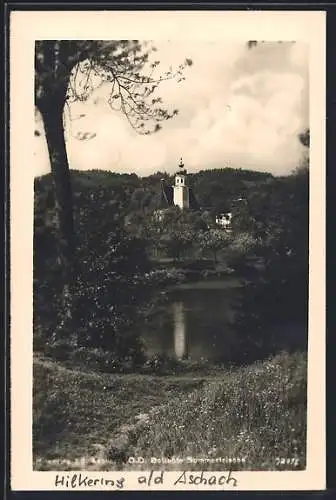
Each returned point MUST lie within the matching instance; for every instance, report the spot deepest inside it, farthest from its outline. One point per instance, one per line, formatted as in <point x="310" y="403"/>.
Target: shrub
<point x="113" y="283"/>
<point x="50" y="407"/>
<point x="104" y="361"/>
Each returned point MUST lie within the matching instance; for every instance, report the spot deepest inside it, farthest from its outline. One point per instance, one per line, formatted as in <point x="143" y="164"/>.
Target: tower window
<point x="180" y="180"/>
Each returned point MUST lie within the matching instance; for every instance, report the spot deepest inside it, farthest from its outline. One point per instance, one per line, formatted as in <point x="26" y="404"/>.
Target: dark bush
<point x="273" y="312"/>
<point x="113" y="284"/>
<point x="51" y="407"/>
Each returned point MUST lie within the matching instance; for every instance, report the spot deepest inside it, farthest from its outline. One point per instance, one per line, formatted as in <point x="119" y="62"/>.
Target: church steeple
<point x="179" y="194"/>
<point x="181" y="191"/>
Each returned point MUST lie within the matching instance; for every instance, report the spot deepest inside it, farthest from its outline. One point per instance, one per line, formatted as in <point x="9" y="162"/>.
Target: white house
<point x="224" y="220"/>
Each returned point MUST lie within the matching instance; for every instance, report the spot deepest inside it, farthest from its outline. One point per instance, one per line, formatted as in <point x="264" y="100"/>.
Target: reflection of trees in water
<point x="157" y="332"/>
<point x="193" y="323"/>
<point x="180" y="341"/>
<point x="208" y="314"/>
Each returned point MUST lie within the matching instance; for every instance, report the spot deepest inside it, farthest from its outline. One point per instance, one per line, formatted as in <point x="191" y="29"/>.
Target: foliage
<point x="278" y="295"/>
<point x="243" y="245"/>
<point x="218" y="189"/>
<point x="214" y="240"/>
<point x="139" y="195"/>
<point x="49" y="409"/>
<point x="72" y="69"/>
<point x="170" y="231"/>
<point x="177" y="242"/>
<point x="112" y="284"/>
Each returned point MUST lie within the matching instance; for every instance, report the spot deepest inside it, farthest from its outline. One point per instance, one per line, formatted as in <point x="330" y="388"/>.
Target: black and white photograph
<point x="171" y="186"/>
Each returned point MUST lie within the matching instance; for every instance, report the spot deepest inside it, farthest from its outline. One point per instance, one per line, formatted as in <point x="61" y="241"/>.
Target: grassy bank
<point x="254" y="414"/>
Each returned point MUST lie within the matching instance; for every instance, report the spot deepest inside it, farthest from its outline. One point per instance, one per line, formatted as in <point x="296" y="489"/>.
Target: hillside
<point x="257" y="413"/>
<point x="214" y="189"/>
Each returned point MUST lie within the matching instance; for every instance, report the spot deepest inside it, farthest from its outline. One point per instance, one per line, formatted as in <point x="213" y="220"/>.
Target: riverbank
<point x="255" y="413"/>
<point x="189" y="271"/>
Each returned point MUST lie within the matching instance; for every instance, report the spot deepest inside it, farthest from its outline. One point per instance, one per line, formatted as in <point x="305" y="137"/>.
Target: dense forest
<point x="215" y="189"/>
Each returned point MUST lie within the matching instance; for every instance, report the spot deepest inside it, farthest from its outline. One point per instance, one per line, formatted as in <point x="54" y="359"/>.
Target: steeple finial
<point x="181" y="164"/>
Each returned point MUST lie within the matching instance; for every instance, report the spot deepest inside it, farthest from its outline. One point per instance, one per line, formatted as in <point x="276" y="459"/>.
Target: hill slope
<point x="256" y="412"/>
<point x="214" y="189"/>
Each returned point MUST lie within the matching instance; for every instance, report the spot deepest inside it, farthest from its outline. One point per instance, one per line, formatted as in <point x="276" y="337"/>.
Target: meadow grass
<point x="74" y="408"/>
<point x="256" y="414"/>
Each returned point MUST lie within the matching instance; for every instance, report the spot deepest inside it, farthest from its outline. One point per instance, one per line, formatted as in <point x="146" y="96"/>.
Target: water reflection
<point x="194" y="323"/>
<point x="180" y="340"/>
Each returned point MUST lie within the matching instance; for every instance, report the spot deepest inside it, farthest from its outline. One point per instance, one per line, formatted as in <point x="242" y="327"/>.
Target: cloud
<point x="237" y="107"/>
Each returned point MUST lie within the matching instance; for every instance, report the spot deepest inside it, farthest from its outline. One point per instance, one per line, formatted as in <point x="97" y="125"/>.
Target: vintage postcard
<point x="167" y="186"/>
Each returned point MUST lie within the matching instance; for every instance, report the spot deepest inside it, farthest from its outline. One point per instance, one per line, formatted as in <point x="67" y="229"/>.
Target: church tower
<point x="181" y="189"/>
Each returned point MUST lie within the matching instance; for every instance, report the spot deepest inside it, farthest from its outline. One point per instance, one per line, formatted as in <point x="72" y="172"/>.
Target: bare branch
<point x="121" y="64"/>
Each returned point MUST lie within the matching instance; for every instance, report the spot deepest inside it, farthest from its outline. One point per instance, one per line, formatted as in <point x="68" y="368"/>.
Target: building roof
<point x="193" y="200"/>
<point x="167" y="194"/>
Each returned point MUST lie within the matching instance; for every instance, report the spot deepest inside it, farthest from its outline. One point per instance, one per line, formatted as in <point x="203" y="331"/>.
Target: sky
<point x="238" y="108"/>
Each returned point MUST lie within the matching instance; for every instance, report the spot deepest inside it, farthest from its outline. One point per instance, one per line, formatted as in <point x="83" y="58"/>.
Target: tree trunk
<point x="52" y="115"/>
